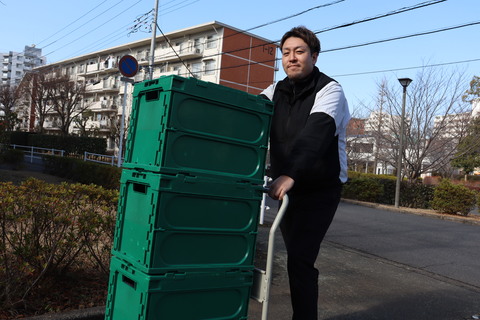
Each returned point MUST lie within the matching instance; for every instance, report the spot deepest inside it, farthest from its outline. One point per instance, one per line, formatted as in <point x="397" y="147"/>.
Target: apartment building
<point x="16" y="64"/>
<point x="366" y="138"/>
<point x="213" y="52"/>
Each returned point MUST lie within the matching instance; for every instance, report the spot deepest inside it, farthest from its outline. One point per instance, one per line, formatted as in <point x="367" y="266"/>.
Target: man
<point x="308" y="160"/>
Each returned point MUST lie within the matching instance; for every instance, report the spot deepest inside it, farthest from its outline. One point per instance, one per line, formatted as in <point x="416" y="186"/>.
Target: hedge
<point x="381" y="189"/>
<point x="84" y="172"/>
<point x="71" y="144"/>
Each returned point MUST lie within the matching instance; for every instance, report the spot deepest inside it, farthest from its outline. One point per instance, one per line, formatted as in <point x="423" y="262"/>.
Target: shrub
<point x="363" y="189"/>
<point x="46" y="229"/>
<point x="388" y="194"/>
<point x="12" y="157"/>
<point x="416" y="195"/>
<point x="71" y="144"/>
<point x="84" y="172"/>
<point x="413" y="195"/>
<point x="453" y="199"/>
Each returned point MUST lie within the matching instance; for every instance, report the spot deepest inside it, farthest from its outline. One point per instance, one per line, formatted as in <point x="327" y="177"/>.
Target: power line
<point x="404" y="37"/>
<point x="406" y="68"/>
<point x="379" y="41"/>
<point x="423" y="4"/>
<point x="401" y="10"/>
<point x="286" y="18"/>
<point x="116" y="33"/>
<point x="127" y="9"/>
<point x="388" y="14"/>
<point x="84" y="24"/>
<point x="72" y="22"/>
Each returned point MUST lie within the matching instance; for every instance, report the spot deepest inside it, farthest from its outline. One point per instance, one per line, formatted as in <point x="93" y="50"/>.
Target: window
<point x="211" y="42"/>
<point x="210" y="66"/>
<point x="197" y="69"/>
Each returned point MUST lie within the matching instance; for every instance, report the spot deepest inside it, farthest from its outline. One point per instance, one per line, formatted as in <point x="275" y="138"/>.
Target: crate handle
<point x="140" y="188"/>
<point x="152" y="95"/>
<point x="129" y="282"/>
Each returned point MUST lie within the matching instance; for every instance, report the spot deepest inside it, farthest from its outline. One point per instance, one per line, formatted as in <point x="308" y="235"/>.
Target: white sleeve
<point x="331" y="100"/>
<point x="269" y="91"/>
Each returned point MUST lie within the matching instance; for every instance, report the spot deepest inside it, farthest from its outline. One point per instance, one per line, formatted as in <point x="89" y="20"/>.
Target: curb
<point x="95" y="313"/>
<point x="420" y="212"/>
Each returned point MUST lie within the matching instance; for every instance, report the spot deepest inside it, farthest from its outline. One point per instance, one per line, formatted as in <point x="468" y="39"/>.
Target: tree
<point x="81" y="122"/>
<point x="53" y="92"/>
<point x="468" y="153"/>
<point x="474" y="92"/>
<point x="436" y="120"/>
<point x="39" y="89"/>
<point x="9" y="96"/>
<point x="66" y="97"/>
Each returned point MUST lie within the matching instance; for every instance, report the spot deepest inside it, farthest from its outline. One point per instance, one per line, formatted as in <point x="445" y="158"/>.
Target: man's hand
<point x="280" y="187"/>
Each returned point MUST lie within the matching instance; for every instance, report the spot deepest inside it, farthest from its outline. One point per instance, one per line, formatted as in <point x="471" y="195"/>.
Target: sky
<point x="66" y="29"/>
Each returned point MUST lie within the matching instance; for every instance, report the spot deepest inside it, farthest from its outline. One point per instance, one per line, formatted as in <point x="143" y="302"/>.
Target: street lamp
<point x="404" y="82"/>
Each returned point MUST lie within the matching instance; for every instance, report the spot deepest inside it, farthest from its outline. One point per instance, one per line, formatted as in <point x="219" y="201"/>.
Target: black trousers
<point x="304" y="225"/>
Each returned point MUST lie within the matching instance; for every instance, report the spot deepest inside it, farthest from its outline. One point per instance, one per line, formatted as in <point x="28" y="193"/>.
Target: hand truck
<point x="263" y="278"/>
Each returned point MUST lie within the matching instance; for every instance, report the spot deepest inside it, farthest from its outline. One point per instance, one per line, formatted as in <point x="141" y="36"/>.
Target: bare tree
<point x="66" y="97"/>
<point x="39" y="89"/>
<point x="9" y="96"/>
<point x="81" y="123"/>
<point x="436" y="119"/>
<point x="115" y="128"/>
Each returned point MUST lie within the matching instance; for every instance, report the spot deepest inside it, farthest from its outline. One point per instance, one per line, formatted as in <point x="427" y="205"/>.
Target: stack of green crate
<point x="190" y="196"/>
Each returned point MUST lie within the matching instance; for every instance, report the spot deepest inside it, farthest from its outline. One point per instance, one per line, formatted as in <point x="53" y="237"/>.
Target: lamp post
<point x="404" y="82"/>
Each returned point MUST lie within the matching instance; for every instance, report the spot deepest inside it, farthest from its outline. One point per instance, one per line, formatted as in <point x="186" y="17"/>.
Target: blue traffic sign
<point x="128" y="66"/>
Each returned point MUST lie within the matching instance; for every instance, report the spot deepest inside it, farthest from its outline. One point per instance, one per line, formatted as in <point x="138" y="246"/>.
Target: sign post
<point x="128" y="67"/>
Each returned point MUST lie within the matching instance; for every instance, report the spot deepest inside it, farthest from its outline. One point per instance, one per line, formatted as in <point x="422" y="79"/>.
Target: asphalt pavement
<point x="356" y="285"/>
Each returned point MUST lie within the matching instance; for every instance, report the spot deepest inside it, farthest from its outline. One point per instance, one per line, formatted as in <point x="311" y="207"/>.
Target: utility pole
<point x="152" y="44"/>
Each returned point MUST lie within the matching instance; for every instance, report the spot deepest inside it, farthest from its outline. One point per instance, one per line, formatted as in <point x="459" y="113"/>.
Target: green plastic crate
<point x="168" y="222"/>
<point x="187" y="125"/>
<point x="219" y="294"/>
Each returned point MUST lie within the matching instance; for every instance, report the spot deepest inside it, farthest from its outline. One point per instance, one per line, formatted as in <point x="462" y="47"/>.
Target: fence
<point x="37" y="152"/>
<point x="100" y="158"/>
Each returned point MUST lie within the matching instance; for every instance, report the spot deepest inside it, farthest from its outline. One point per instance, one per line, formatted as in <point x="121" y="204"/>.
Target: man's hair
<point x="306" y="35"/>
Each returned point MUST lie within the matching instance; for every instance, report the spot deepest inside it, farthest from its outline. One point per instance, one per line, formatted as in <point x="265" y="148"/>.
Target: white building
<point x="213" y="52"/>
<point x="16" y="64"/>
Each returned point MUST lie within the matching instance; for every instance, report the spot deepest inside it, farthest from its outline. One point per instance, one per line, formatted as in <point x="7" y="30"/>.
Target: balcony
<point x="104" y="106"/>
<point x="92" y="68"/>
<point x="185" y="54"/>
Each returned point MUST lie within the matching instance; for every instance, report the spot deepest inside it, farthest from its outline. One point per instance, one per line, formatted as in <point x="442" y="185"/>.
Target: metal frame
<point x="263" y="278"/>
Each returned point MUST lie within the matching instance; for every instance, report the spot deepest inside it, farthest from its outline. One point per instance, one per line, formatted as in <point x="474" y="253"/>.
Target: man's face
<point x="297" y="60"/>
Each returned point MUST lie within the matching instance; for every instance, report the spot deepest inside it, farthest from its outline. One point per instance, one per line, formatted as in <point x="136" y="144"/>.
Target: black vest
<point x="292" y="106"/>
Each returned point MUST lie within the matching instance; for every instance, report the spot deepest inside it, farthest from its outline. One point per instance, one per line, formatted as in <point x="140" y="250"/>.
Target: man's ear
<point x="314" y="57"/>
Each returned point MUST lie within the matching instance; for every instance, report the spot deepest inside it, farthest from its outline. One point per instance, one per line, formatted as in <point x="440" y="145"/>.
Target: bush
<point x="46" y="229"/>
<point x="12" y="157"/>
<point x="388" y="194"/>
<point x="81" y="171"/>
<point x="362" y="189"/>
<point x="453" y="199"/>
<point x="71" y="144"/>
<point x="412" y="195"/>
<point x="416" y="195"/>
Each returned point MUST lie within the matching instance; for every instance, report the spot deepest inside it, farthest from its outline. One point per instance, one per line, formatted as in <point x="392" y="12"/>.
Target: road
<point x="382" y="264"/>
<point x="442" y="247"/>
